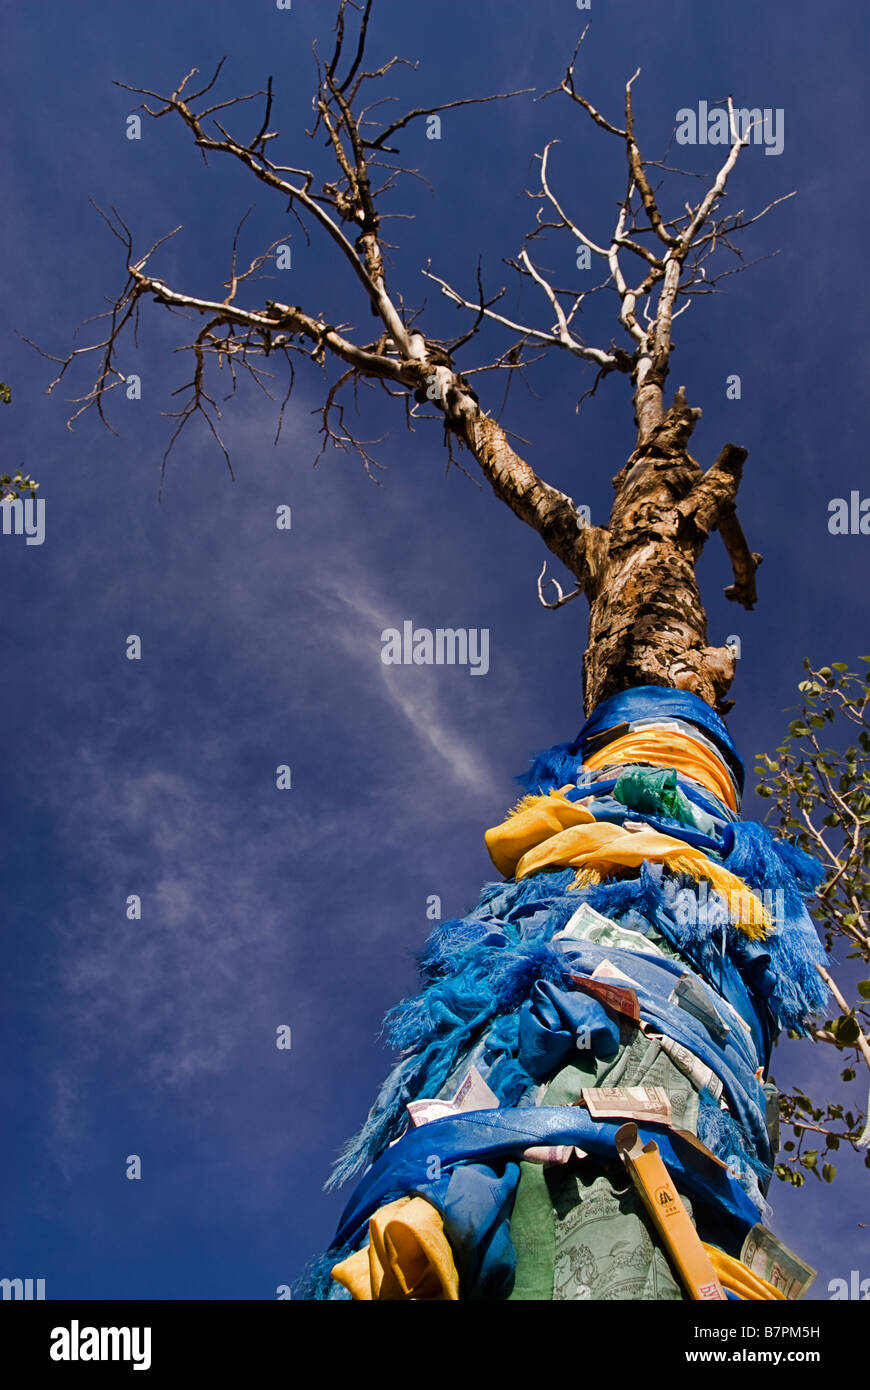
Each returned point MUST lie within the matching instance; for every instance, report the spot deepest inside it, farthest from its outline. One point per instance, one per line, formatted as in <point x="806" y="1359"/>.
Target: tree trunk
<point x="647" y="624"/>
<point x="524" y="975"/>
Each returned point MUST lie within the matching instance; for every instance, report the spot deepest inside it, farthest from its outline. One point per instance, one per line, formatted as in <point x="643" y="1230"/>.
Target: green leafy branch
<point x="821" y="800"/>
<point x="17" y="484"/>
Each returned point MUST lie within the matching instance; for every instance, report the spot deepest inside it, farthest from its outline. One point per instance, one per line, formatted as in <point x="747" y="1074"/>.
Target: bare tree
<point x="647" y="623"/>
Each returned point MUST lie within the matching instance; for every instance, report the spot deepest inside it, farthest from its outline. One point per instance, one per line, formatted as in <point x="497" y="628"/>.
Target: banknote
<point x="583" y="921"/>
<point x="422" y="1112"/>
<point x="773" y="1261"/>
<point x="474" y="1094"/>
<point x="606" y="970"/>
<point x="691" y="995"/>
<point x="552" y="1153"/>
<point x="622" y="1001"/>
<point x="643" y="1103"/>
<point x="589" y="925"/>
<point x="701" y="1076"/>
<point x="771" y="1113"/>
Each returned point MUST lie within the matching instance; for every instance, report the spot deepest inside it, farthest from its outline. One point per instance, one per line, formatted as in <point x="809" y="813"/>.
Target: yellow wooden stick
<point x="669" y="1216"/>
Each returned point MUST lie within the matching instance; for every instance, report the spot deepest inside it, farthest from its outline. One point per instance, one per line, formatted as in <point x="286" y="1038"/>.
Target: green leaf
<point x="829" y="1172"/>
<point x="846" y="1030"/>
<point x="863" y="985"/>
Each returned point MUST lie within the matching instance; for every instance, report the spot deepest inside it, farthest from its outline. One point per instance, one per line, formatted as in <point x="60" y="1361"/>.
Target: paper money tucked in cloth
<point x="649" y="1104"/>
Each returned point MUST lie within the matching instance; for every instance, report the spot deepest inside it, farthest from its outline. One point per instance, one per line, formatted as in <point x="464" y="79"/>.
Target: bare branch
<point x="385" y="134"/>
<point x="609" y="360"/>
<point x="638" y="173"/>
<point x="567" y="86"/>
<point x="561" y="598"/>
<point x="712" y="504"/>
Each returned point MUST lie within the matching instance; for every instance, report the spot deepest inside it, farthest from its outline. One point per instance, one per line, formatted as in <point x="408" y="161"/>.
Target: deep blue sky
<point x="262" y="647"/>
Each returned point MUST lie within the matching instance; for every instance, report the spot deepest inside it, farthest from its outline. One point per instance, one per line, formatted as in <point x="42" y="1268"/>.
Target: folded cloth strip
<point x="675" y="728"/>
<point x="604" y="848"/>
<point x="715" y="814"/>
<point x="662" y="749"/>
<point x="408" y="1256"/>
<point x="533" y="820"/>
<point x="552" y="1023"/>
<point x="658" y="701"/>
<point x="608" y="808"/>
<point x="537" y="818"/>
<point x="681" y="726"/>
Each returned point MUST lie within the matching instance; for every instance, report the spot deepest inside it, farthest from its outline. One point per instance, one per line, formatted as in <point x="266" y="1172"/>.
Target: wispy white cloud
<point x="171" y="994"/>
<point x="416" y="692"/>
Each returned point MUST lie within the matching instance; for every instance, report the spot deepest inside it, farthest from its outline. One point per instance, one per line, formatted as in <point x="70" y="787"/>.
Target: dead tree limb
<point x="647" y="621"/>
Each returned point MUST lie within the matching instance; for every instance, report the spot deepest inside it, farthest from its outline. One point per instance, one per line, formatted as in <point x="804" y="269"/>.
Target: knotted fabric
<point x="661" y="748"/>
<point x="548" y="831"/>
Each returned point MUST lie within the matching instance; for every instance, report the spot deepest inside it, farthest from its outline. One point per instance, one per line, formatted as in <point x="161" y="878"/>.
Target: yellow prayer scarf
<point x="549" y="832"/>
<point x="408" y="1257"/>
<point x="664" y="748"/>
<point x="533" y="820"/>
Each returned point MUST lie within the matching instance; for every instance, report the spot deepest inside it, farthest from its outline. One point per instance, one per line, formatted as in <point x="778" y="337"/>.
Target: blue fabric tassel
<point x="552" y="767"/>
<point x="776" y="867"/>
<point x="727" y="1139"/>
